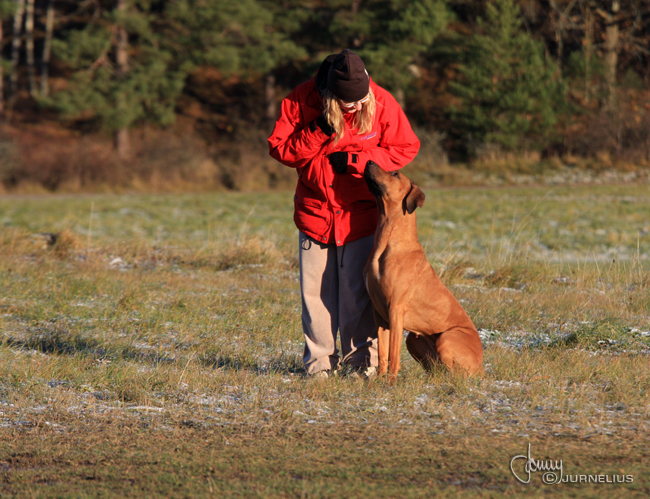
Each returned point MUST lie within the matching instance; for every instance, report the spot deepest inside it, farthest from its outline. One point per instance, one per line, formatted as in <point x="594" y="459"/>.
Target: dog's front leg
<point x="395" y="348"/>
<point x="383" y="340"/>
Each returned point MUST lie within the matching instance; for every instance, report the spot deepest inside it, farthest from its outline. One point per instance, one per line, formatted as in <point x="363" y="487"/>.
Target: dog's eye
<point x="395" y="174"/>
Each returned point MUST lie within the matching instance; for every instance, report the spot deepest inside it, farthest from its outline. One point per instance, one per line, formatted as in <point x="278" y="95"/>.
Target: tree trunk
<point x="589" y="33"/>
<point x="271" y="108"/>
<point x="122" y="143"/>
<point x="563" y="14"/>
<point x="2" y="77"/>
<point x="15" y="50"/>
<point x="560" y="48"/>
<point x="611" y="54"/>
<point x="559" y="28"/>
<point x="47" y="48"/>
<point x="121" y="136"/>
<point x="29" y="47"/>
<point x="121" y="44"/>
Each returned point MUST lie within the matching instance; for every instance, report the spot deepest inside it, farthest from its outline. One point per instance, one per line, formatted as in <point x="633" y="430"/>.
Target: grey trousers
<point x="334" y="299"/>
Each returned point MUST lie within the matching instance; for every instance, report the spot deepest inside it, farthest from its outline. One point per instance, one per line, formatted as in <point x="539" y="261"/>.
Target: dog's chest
<point x="377" y="296"/>
<point x="379" y="283"/>
<point x="373" y="278"/>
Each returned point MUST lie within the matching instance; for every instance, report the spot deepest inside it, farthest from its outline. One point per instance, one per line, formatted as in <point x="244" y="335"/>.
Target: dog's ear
<point x="415" y="199"/>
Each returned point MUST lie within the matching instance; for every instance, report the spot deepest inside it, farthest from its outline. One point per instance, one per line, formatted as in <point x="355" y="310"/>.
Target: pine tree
<point x="245" y="40"/>
<point x="130" y="61"/>
<point x="510" y="94"/>
<point x="115" y="93"/>
<point x="390" y="36"/>
<point x="233" y="36"/>
<point x="286" y="19"/>
<point x="412" y="29"/>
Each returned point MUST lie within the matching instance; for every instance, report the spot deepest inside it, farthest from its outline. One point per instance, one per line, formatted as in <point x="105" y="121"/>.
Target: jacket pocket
<point x="311" y="218"/>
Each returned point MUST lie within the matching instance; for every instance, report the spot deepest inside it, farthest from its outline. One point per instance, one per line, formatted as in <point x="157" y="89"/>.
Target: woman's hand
<point x="321" y="122"/>
<point x="340" y="160"/>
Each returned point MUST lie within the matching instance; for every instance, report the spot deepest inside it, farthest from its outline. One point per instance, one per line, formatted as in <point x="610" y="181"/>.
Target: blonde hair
<point x="363" y="119"/>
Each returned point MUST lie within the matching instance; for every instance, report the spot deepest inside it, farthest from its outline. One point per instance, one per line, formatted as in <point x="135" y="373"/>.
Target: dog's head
<point x="392" y="189"/>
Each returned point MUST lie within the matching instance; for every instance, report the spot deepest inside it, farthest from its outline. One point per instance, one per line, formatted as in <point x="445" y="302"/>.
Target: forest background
<point x="181" y="94"/>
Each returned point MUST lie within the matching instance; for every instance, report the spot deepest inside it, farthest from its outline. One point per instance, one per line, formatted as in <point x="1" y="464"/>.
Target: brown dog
<point x="406" y="292"/>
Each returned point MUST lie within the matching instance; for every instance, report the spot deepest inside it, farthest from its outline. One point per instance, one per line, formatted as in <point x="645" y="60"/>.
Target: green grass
<point x="155" y="350"/>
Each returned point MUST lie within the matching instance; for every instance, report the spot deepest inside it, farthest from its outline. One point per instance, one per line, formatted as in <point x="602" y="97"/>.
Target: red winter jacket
<point x="330" y="207"/>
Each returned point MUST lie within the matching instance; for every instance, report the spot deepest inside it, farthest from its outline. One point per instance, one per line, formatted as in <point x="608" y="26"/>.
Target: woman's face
<point x="353" y="107"/>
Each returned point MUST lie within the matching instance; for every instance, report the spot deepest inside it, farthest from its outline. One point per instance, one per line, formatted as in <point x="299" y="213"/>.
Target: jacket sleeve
<point x="397" y="147"/>
<point x="293" y="142"/>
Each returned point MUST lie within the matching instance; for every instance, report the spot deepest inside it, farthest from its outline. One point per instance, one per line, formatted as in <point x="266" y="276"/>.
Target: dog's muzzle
<point x="370" y="175"/>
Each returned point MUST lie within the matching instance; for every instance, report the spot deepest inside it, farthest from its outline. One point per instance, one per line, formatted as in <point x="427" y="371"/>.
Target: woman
<point x="329" y="127"/>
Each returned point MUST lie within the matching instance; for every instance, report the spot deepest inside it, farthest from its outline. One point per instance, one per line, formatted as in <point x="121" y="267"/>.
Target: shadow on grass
<point x="282" y="364"/>
<point x="59" y="341"/>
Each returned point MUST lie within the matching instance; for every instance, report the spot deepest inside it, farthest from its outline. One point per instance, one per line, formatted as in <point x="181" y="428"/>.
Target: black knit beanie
<point x="347" y="77"/>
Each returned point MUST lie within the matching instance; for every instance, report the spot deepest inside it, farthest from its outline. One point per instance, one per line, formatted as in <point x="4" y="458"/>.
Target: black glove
<point x="321" y="122"/>
<point x="339" y="161"/>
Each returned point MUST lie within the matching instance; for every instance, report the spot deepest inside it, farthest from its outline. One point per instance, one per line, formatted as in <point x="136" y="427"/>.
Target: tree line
<point x="509" y="74"/>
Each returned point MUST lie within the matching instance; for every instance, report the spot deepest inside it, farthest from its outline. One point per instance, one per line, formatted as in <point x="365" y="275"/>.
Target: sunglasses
<point x="352" y="104"/>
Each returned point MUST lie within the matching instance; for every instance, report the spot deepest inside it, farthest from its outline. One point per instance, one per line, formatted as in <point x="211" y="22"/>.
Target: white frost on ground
<point x="521" y="338"/>
<point x="146" y="408"/>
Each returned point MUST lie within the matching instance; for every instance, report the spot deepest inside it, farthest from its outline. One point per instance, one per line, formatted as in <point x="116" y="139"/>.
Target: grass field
<point x="154" y="349"/>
